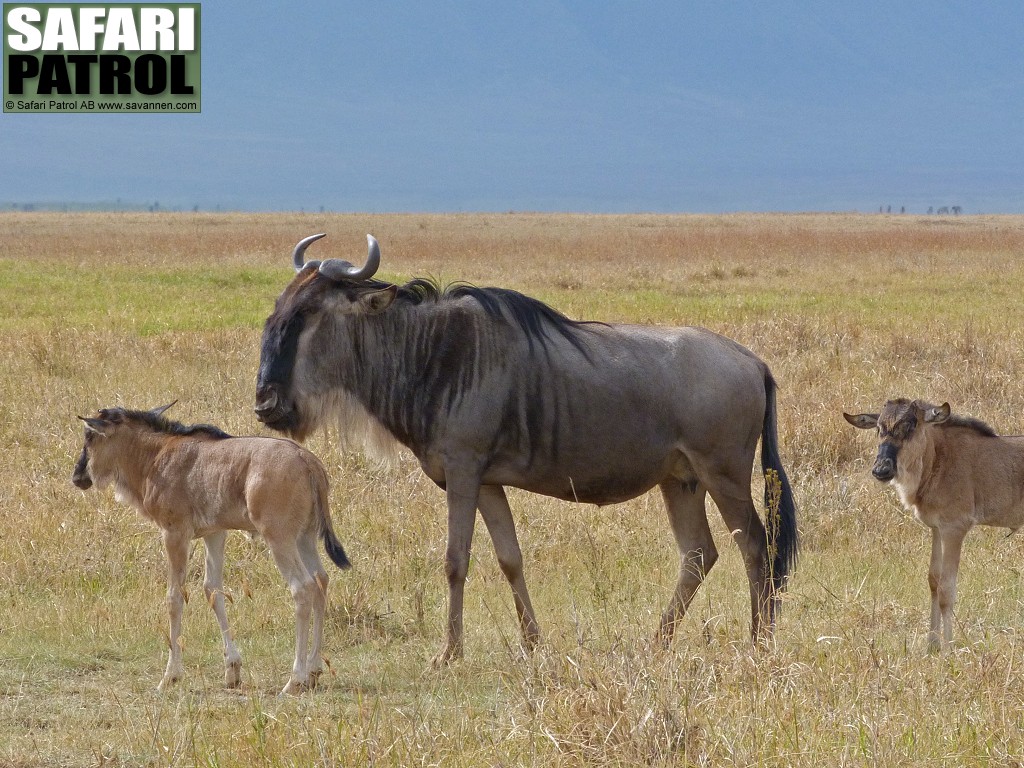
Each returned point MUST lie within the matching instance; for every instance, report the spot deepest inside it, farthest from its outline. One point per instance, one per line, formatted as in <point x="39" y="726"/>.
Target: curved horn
<point x="338" y="269"/>
<point x="300" y="249"/>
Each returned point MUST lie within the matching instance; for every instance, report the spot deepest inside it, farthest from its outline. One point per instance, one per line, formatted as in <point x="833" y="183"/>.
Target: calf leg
<point x="304" y="591"/>
<point x="311" y="559"/>
<point x="213" y="586"/>
<point x="947" y="545"/>
<point x="497" y="515"/>
<point x="934" y="574"/>
<point x="176" y="547"/>
<point x="697" y="552"/>
<point x="462" y="504"/>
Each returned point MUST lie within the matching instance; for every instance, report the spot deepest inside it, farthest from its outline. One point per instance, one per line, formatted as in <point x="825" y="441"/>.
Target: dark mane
<point x="169" y="426"/>
<point x="968" y="422"/>
<point x="955" y="420"/>
<point x="535" y="318"/>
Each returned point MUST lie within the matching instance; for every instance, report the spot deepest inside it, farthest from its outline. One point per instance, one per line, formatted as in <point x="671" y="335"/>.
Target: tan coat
<point x="198" y="482"/>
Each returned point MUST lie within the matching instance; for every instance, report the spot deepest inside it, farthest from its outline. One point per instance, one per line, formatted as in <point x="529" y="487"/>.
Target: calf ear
<point x="98" y="426"/>
<point x="938" y="414"/>
<point x="862" y="420"/>
<point x="377" y="301"/>
<point x="159" y="410"/>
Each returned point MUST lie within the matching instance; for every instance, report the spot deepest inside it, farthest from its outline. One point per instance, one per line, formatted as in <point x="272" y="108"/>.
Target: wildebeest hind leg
<point x="311" y="559"/>
<point x="304" y="592"/>
<point x="697" y="552"/>
<point x="738" y="512"/>
<point x="213" y="586"/>
<point x="497" y="515"/>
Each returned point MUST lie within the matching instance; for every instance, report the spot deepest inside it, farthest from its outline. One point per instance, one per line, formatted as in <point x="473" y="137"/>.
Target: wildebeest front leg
<point x="176" y="547"/>
<point x="213" y="586"/>
<point x="697" y="552"/>
<point x="497" y="515"/>
<point x="942" y="573"/>
<point x="462" y="503"/>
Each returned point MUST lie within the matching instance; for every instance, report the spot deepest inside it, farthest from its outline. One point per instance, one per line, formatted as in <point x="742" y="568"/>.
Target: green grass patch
<point x="144" y="301"/>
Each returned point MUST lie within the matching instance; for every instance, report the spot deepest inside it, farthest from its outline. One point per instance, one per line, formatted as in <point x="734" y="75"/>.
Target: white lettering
<point x="186" y="29"/>
<point x="59" y="30"/>
<point x="157" y="23"/>
<point x="158" y="29"/>
<point x="89" y="26"/>
<point x="29" y="38"/>
<point x="121" y="33"/>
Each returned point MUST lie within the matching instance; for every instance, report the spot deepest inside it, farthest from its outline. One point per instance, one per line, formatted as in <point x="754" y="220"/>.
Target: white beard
<point x="356" y="428"/>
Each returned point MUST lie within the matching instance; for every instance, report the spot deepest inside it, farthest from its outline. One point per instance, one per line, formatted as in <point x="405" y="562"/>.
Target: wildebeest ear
<point x="862" y="420"/>
<point x="938" y="414"/>
<point x="99" y="426"/>
<point x="159" y="410"/>
<point x="377" y="301"/>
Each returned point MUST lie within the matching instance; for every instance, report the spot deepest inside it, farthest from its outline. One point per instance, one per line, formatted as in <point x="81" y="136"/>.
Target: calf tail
<point x="780" y="508"/>
<point x="321" y="508"/>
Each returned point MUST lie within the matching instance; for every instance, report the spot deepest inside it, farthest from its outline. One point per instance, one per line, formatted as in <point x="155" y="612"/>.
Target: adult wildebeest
<point x="953" y="473"/>
<point x="488" y="387"/>
<point x="197" y="481"/>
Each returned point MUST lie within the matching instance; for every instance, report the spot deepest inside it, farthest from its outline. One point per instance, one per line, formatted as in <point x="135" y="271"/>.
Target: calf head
<point x="900" y="432"/>
<point x="101" y="449"/>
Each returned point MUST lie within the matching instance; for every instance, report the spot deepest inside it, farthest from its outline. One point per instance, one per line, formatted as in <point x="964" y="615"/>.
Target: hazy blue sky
<point x="415" y="105"/>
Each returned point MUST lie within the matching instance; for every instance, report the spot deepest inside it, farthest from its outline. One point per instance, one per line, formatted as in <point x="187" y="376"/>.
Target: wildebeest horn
<point x="300" y="249"/>
<point x="338" y="269"/>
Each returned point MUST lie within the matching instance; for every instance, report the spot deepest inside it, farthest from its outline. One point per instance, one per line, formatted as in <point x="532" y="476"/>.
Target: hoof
<point x="168" y="682"/>
<point x="233" y="675"/>
<point x="447" y="656"/>
<point x="531" y="641"/>
<point x="295" y="688"/>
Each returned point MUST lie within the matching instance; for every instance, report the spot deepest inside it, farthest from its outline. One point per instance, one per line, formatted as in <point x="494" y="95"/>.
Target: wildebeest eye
<point x="903" y="430"/>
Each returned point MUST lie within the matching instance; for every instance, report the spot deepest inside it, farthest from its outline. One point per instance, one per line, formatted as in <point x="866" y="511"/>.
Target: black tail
<point x="780" y="507"/>
<point x="334" y="549"/>
<point x="320" y="485"/>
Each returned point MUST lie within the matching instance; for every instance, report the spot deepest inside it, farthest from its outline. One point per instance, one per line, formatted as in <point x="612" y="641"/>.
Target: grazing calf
<point x="953" y="473"/>
<point x="197" y="481"/>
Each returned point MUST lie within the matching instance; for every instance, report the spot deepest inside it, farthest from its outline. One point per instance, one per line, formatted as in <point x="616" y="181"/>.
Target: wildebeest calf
<point x="953" y="473"/>
<point x="197" y="481"/>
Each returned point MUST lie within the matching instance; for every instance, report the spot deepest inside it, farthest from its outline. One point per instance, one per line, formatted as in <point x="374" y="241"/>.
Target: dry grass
<point x="848" y="310"/>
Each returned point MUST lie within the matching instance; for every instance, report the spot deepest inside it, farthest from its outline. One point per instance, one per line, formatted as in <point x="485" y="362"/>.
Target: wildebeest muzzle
<point x="885" y="462"/>
<point x="80" y="477"/>
<point x="274" y="410"/>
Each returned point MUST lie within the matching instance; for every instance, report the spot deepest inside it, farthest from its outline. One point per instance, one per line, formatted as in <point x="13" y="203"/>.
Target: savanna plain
<point x="848" y="310"/>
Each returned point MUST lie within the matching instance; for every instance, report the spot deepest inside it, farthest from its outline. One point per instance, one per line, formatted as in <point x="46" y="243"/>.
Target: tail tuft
<point x="334" y="550"/>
